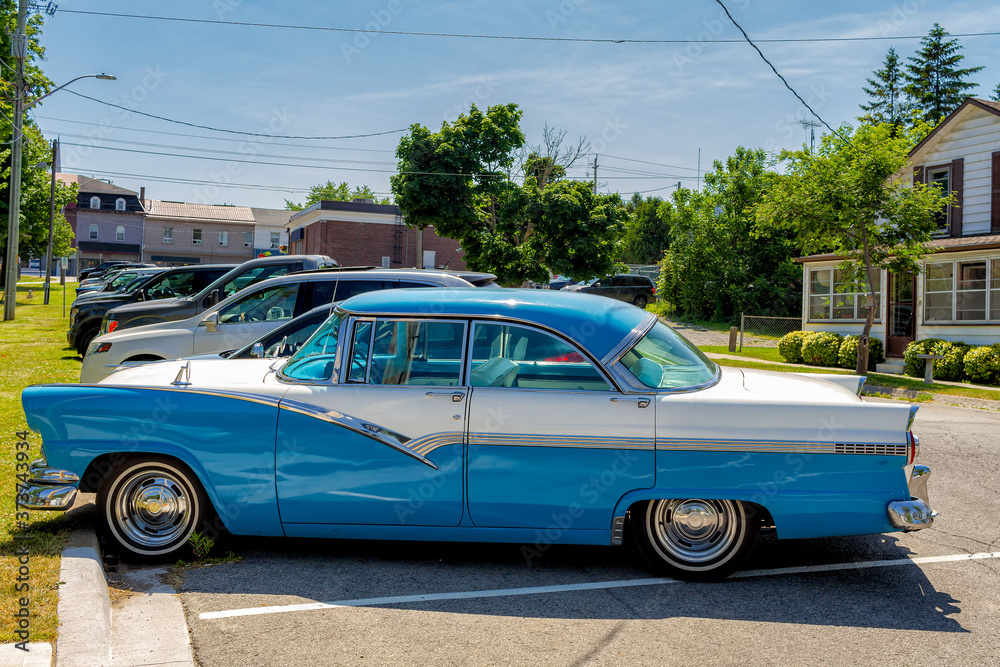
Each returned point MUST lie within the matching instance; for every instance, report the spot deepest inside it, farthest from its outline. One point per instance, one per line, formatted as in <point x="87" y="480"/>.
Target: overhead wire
<point x="608" y="40"/>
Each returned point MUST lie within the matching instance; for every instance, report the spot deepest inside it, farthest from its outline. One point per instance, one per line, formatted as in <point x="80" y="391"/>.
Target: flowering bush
<point x="790" y="346"/>
<point x="848" y="354"/>
<point x="821" y="348"/>
<point x="982" y="364"/>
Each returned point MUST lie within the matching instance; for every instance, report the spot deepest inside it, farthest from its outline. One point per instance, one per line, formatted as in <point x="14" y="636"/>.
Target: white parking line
<point x="594" y="585"/>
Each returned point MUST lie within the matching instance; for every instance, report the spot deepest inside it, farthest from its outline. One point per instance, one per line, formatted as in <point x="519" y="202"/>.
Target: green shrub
<point x="848" y="355"/>
<point x="790" y="346"/>
<point x="821" y="349"/>
<point x="952" y="367"/>
<point x="982" y="364"/>
<point x="914" y="366"/>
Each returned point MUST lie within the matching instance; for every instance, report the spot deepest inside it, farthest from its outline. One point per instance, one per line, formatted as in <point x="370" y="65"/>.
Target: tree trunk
<point x="862" y="365"/>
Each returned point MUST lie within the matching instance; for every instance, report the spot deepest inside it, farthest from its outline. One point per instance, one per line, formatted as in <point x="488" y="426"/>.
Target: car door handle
<point x="455" y="397"/>
<point x="642" y="401"/>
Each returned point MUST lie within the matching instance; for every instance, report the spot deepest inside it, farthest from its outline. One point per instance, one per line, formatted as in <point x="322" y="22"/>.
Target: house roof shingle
<point x="88" y="184"/>
<point x="942" y="245"/>
<point x="198" y="212"/>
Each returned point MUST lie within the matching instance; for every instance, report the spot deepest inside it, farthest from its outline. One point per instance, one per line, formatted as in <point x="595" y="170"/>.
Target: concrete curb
<point x="84" y="605"/>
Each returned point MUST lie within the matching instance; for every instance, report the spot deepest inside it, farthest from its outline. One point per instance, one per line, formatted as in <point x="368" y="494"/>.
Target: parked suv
<point x="244" y="275"/>
<point x="638" y="290"/>
<point x="88" y="312"/>
<point x="253" y="312"/>
<point x="100" y="268"/>
<point x="113" y="282"/>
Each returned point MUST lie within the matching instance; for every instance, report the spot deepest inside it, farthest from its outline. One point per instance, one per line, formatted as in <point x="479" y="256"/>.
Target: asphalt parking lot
<point x="922" y="598"/>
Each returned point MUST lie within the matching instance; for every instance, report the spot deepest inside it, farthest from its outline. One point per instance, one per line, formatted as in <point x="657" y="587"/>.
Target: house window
<point x="95" y="202"/>
<point x="120" y="233"/>
<point x="275" y="239"/>
<point x="962" y="291"/>
<point x="168" y="234"/>
<point x="941" y="177"/>
<point x="196" y="237"/>
<point x="119" y="204"/>
<point x="995" y="289"/>
<point x="247" y="239"/>
<point x="223" y="238"/>
<point x="830" y="298"/>
<point x="93" y="232"/>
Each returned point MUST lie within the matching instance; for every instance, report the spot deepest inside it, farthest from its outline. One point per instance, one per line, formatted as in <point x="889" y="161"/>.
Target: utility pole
<point x="18" y="47"/>
<point x="595" y="173"/>
<point x="699" y="170"/>
<point x="52" y="220"/>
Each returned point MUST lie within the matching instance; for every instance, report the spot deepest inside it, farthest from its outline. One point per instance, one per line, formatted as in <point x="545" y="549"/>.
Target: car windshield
<point x="314" y="360"/>
<point x="663" y="359"/>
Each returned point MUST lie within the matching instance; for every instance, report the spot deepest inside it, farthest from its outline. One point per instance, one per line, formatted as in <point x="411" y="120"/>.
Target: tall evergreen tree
<point x="996" y="94"/>
<point x="888" y="100"/>
<point x="934" y="80"/>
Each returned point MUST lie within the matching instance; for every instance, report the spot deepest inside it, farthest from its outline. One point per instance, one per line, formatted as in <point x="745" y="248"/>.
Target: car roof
<point x="597" y="323"/>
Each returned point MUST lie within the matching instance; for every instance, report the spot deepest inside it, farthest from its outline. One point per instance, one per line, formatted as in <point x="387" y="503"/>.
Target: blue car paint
<point x="328" y="474"/>
<point x="596" y="323"/>
<point x="228" y="443"/>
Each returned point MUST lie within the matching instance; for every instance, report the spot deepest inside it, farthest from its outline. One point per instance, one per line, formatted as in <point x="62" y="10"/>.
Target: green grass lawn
<point x="32" y="350"/>
<point x="764" y="353"/>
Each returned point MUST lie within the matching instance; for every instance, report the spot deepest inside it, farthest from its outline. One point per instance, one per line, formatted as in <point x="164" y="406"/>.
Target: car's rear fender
<point x="228" y="443"/>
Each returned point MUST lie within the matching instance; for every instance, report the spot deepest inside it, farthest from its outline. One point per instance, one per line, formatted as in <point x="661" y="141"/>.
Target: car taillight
<point x="112" y="325"/>
<point x="913" y="449"/>
<point x="654" y="290"/>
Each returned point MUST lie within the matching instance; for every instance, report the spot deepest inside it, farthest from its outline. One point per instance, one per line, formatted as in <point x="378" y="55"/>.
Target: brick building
<point x="361" y="233"/>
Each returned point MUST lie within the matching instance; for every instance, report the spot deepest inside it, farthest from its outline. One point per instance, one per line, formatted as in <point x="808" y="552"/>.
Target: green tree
<point x="34" y="222"/>
<point x="647" y="233"/>
<point x="887" y="99"/>
<point x="935" y="82"/>
<point x="847" y="198"/>
<point x="330" y="192"/>
<point x="995" y="96"/>
<point x="460" y="180"/>
<point x="721" y="261"/>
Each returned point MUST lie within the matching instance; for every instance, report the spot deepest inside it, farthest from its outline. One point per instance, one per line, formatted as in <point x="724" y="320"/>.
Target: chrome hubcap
<point x="152" y="508"/>
<point x="695" y="530"/>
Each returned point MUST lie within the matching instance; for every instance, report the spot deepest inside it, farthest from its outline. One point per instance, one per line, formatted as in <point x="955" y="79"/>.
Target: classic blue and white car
<point x="522" y="416"/>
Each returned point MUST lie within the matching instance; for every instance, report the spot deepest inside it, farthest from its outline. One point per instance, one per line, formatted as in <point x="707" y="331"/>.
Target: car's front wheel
<point x="640" y="301"/>
<point x="148" y="507"/>
<point x="693" y="538"/>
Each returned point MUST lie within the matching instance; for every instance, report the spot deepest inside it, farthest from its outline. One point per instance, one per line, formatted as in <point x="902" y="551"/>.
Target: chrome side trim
<point x="263" y="399"/>
<point x="397" y="441"/>
<point x="631" y="339"/>
<point x="617" y="530"/>
<point x="913" y="415"/>
<point x="573" y="441"/>
<point x="874" y="449"/>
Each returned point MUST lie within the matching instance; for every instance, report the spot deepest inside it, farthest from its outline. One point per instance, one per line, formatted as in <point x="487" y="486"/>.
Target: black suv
<point x="86" y="315"/>
<point x="99" y="269"/>
<point x="638" y="290"/>
<point x="244" y="275"/>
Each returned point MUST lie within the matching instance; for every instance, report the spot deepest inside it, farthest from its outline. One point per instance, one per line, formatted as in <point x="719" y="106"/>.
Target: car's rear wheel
<point x="694" y="538"/>
<point x="640" y="301"/>
<point x="148" y="507"/>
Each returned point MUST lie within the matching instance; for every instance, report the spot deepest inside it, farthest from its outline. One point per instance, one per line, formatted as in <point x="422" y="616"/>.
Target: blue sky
<point x="637" y="103"/>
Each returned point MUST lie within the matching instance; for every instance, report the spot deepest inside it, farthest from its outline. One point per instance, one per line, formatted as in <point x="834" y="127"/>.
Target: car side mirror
<point x="257" y="351"/>
<point x="211" y="299"/>
<point x="211" y="321"/>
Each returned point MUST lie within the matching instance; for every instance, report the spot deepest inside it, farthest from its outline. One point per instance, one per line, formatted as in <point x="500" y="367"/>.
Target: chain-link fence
<point x="761" y="331"/>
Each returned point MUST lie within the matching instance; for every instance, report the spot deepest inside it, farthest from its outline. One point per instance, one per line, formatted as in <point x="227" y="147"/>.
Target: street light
<point x="14" y="211"/>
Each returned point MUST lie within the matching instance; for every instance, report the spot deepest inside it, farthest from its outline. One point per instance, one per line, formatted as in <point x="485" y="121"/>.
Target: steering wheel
<point x="247" y="317"/>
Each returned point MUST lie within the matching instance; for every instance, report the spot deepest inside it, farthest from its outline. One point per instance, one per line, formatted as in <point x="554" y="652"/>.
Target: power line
<point x="226" y="152"/>
<point x="315" y="28"/>
<point x="217" y="129"/>
<point x="773" y="68"/>
<point x="191" y="181"/>
<point x="655" y="164"/>
<point x="201" y="136"/>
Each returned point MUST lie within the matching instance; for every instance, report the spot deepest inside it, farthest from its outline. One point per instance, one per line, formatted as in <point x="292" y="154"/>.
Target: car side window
<point x="407" y="352"/>
<point x="267" y="305"/>
<point x="177" y="284"/>
<point x="252" y="277"/>
<point x="515" y="356"/>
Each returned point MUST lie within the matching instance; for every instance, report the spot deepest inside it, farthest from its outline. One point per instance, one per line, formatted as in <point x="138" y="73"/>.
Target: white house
<point x="956" y="295"/>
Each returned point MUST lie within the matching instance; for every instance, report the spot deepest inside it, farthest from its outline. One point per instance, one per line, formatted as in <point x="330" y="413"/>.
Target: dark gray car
<point x="638" y="290"/>
<point x="244" y="275"/>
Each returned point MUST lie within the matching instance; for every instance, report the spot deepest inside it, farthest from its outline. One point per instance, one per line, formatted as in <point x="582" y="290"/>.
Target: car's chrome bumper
<point x="916" y="513"/>
<point x="47" y="488"/>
